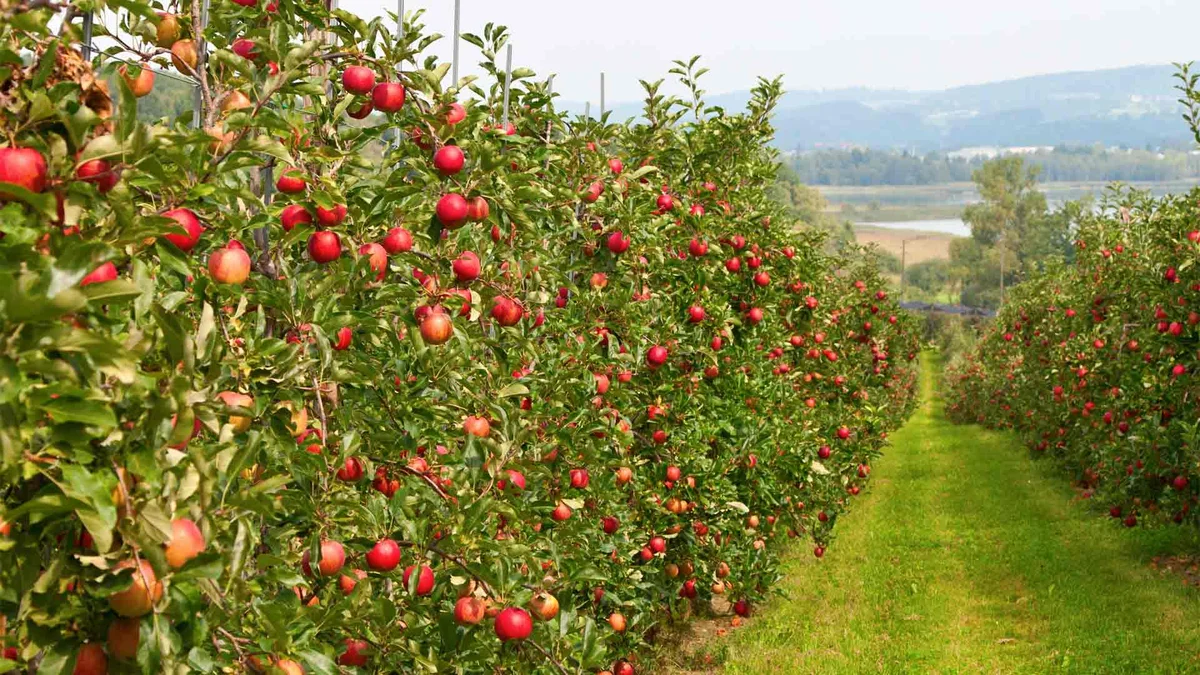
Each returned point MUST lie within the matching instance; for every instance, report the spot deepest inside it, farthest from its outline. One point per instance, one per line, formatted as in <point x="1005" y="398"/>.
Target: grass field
<point x="964" y="557"/>
<point x="933" y="245"/>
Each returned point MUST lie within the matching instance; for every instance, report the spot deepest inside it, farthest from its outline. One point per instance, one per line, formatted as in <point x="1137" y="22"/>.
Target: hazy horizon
<point x="926" y="45"/>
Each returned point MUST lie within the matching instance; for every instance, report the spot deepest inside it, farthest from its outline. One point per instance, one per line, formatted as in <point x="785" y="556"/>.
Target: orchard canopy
<point x="346" y="373"/>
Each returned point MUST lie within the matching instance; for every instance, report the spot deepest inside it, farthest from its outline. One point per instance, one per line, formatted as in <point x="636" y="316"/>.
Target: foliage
<point x="1065" y="163"/>
<point x="1095" y="362"/>
<point x="1012" y="233"/>
<point x="314" y="407"/>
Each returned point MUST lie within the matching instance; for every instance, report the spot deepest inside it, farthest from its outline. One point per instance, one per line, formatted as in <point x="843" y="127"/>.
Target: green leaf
<point x="84" y="411"/>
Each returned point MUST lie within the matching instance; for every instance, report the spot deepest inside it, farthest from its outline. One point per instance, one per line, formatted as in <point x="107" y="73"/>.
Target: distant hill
<point x="1135" y="106"/>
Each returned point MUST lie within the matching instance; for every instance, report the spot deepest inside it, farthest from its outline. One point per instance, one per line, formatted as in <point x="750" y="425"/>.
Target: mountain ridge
<point x="1133" y="106"/>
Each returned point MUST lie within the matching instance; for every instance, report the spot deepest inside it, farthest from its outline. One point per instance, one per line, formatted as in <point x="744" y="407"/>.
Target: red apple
<point x="452" y="210"/>
<point x="230" y="264"/>
<point x="333" y="557"/>
<point x="449" y="160"/>
<point x="293" y="215"/>
<point x="513" y="623"/>
<point x="186" y="542"/>
<point x="384" y="556"/>
<point x="436" y="327"/>
<point x="358" y="80"/>
<point x="100" y="172"/>
<point x="333" y="216"/>
<point x="324" y="246"/>
<point x="425" y="579"/>
<point x="103" y="273"/>
<point x="378" y="259"/>
<point x="397" y="240"/>
<point x="23" y="167"/>
<point x="656" y="357"/>
<point x="355" y="654"/>
<point x="388" y="97"/>
<point x="466" y="267"/>
<point x="477" y="209"/>
<point x="469" y="610"/>
<point x="190" y="223"/>
<point x="290" y="182"/>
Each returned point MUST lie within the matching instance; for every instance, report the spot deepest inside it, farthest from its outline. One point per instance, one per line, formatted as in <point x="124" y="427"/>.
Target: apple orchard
<point x="349" y="374"/>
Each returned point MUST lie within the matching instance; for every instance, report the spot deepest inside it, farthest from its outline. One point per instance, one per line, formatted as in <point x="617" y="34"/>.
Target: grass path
<point x="967" y="557"/>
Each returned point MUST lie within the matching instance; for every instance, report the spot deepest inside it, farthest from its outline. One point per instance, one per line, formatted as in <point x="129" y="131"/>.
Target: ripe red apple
<point x="452" y="210"/>
<point x="103" y="273"/>
<point x="469" y="610"/>
<point x="455" y="113"/>
<point x="579" y="478"/>
<point x="624" y="475"/>
<point x="290" y="182"/>
<point x="333" y="557"/>
<point x="358" y="80"/>
<point x="333" y="216"/>
<point x="186" y="543"/>
<point x="425" y="579"/>
<point x="384" y="556"/>
<point x="449" y="160"/>
<point x="513" y="623"/>
<point x="697" y="248"/>
<point x="477" y="426"/>
<point x="561" y="512"/>
<point x="23" y="167"/>
<point x="244" y="48"/>
<point x="658" y="545"/>
<point x="436" y="327"/>
<point x="378" y="259"/>
<point x="355" y="654"/>
<point x="656" y="357"/>
<point x="188" y="220"/>
<point x="324" y="246"/>
<point x="741" y="607"/>
<point x="610" y="524"/>
<point x="593" y="192"/>
<point x="397" y="240"/>
<point x="843" y="433"/>
<point x="344" y="336"/>
<point x="696" y="314"/>
<point x="90" y="660"/>
<point x="466" y="267"/>
<point x="617" y="242"/>
<point x="506" y="311"/>
<point x="293" y="215"/>
<point x="673" y="473"/>
<point x="140" y="597"/>
<point x="99" y="172"/>
<point x="388" y="97"/>
<point x="665" y="202"/>
<point x="616" y="166"/>
<point x="623" y="668"/>
<point x="229" y="264"/>
<point x="478" y="210"/>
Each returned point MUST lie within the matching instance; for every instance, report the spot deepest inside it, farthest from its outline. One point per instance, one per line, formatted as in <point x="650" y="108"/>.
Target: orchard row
<point x="356" y="375"/>
<point x="1094" y="363"/>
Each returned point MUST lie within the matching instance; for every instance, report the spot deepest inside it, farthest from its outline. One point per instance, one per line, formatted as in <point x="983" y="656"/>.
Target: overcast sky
<point x="907" y="44"/>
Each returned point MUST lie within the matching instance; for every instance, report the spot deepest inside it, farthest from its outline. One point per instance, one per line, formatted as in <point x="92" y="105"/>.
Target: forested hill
<point x="1135" y="106"/>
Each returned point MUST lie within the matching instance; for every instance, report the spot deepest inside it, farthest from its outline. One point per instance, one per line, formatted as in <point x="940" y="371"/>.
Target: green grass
<point x="967" y="557"/>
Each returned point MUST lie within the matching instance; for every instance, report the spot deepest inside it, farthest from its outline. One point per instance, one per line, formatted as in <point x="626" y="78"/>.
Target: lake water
<point x="953" y="226"/>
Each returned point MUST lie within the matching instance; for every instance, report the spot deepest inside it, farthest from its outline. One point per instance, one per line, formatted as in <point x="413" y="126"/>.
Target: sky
<point x="890" y="44"/>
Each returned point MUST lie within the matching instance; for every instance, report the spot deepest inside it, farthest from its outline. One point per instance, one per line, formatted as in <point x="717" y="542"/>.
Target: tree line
<point x="864" y="166"/>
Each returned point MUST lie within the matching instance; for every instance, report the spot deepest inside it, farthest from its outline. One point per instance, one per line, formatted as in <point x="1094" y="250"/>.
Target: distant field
<point x="932" y="245"/>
